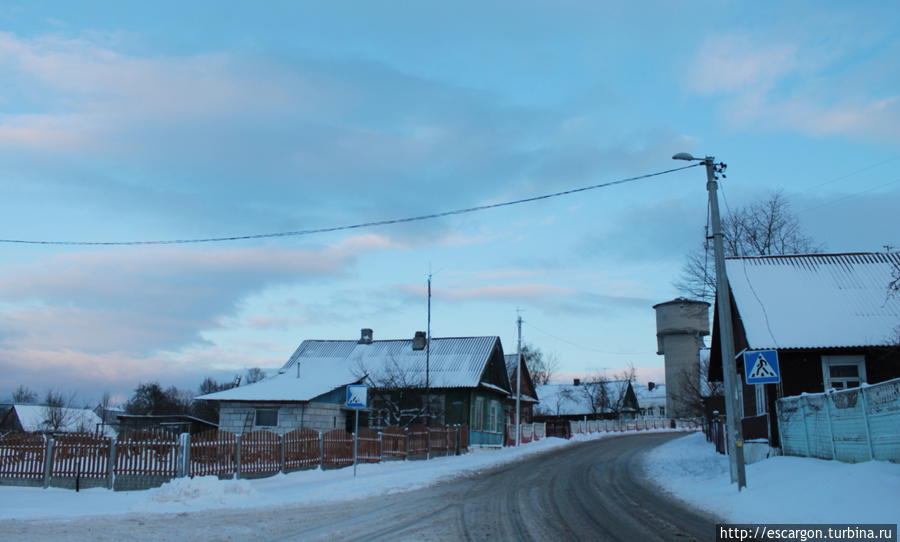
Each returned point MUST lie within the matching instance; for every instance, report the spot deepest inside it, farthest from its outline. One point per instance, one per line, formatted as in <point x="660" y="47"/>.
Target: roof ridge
<point x="814" y="255"/>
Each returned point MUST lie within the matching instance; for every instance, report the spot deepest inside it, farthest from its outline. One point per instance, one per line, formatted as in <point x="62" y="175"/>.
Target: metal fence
<point x="858" y="424"/>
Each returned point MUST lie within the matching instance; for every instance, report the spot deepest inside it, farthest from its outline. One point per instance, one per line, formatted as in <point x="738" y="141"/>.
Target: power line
<point x="351" y="226"/>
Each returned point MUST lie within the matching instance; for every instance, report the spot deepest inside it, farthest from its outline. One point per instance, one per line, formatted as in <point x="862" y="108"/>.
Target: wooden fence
<point x="213" y="452"/>
<point x="81" y="455"/>
<point x="22" y="456"/>
<point x="260" y="452"/>
<point x="147" y="452"/>
<point x="301" y="449"/>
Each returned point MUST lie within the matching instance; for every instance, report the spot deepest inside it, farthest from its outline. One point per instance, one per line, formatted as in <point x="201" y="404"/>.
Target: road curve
<point x="590" y="491"/>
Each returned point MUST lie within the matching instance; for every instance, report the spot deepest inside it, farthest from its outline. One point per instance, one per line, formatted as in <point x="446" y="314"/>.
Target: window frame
<point x="265" y="409"/>
<point x="858" y="360"/>
<point x="478" y="414"/>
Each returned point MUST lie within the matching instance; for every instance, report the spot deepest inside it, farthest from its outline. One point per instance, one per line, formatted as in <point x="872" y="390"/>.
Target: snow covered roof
<point x="572" y="400"/>
<point x="822" y="300"/>
<point x="33" y="419"/>
<point x="649" y="398"/>
<point x="318" y="366"/>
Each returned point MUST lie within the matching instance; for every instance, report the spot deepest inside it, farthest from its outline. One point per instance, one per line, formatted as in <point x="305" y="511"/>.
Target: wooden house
<point x="830" y="317"/>
<point x="529" y="397"/>
<point x="453" y="380"/>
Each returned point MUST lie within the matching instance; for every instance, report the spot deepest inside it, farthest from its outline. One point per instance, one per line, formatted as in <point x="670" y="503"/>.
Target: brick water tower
<point x="681" y="325"/>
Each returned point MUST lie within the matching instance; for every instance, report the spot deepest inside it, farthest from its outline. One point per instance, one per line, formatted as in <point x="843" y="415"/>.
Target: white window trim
<point x="828" y="361"/>
<point x="256" y="416"/>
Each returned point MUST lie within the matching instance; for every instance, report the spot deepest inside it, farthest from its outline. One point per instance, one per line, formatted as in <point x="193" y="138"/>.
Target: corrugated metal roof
<point x="319" y="366"/>
<point x="821" y="300"/>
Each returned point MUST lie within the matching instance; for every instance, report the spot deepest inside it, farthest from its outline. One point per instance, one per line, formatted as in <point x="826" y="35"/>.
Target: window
<point x="478" y="414"/>
<point x="267" y="417"/>
<point x="760" y="398"/>
<point x="494" y="422"/>
<point x="842" y="372"/>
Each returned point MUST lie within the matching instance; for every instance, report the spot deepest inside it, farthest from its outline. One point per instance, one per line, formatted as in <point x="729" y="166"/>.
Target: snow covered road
<point x="587" y="491"/>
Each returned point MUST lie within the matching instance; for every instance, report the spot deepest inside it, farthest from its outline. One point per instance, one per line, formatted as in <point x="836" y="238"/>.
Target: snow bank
<point x="779" y="489"/>
<point x="304" y="487"/>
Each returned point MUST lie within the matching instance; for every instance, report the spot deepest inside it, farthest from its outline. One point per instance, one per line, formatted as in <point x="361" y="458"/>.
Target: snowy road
<point x="589" y="491"/>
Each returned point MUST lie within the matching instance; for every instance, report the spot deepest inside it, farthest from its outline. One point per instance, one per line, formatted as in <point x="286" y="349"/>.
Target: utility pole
<point x="726" y="335"/>
<point x="428" y="359"/>
<point x="519" y="380"/>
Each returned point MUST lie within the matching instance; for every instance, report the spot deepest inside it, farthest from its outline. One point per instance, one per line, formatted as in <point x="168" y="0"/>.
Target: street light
<point x="726" y="335"/>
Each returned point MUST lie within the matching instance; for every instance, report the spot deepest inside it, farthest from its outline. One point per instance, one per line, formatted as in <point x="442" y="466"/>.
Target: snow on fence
<point x="393" y="443"/>
<point x="417" y="443"/>
<point x="858" y="424"/>
<point x="22" y="456"/>
<point x="338" y="448"/>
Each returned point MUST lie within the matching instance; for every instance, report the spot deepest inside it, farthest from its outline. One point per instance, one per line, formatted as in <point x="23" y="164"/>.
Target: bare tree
<point x="60" y="414"/>
<point x="255" y="374"/>
<point x="763" y="228"/>
<point x="693" y="392"/>
<point x="24" y="395"/>
<point x="610" y="397"/>
<point x="397" y="393"/>
<point x="552" y="406"/>
<point x="542" y="367"/>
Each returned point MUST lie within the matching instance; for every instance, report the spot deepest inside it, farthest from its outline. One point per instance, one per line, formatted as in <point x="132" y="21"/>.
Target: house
<point x="31" y="418"/>
<point x="454" y="380"/>
<point x="651" y="400"/>
<point x="611" y="399"/>
<point x="529" y="397"/>
<point x="830" y="317"/>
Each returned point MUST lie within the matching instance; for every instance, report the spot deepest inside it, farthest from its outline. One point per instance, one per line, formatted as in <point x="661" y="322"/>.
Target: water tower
<point x="681" y="325"/>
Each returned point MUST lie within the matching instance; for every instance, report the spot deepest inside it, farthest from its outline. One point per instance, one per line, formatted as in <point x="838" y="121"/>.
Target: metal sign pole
<point x="355" y="441"/>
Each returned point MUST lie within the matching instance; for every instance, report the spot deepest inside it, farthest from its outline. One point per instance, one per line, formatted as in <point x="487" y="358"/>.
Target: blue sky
<point x="127" y="121"/>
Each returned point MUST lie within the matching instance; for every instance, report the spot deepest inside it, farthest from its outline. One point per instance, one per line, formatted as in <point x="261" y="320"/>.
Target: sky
<point x="164" y="120"/>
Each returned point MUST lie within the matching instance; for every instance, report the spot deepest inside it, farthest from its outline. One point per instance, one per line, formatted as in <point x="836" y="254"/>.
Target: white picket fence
<point x="858" y="424"/>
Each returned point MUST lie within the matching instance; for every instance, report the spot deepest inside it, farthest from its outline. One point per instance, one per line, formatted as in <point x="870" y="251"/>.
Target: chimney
<point x="577" y="382"/>
<point x="419" y="341"/>
<point x="650" y="386"/>
<point x="365" y="336"/>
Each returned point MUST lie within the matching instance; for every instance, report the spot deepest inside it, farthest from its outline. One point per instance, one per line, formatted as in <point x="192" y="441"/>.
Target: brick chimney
<point x="419" y="341"/>
<point x="365" y="336"/>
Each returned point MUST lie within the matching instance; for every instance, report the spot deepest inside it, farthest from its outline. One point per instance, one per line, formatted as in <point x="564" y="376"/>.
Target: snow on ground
<point x="779" y="489"/>
<point x="303" y="487"/>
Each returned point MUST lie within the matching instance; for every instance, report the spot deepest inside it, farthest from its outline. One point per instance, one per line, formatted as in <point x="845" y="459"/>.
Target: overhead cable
<point x="348" y="227"/>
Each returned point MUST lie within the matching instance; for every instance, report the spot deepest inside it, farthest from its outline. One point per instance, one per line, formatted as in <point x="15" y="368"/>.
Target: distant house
<point x="465" y="378"/>
<point x="178" y="423"/>
<point x="829" y="317"/>
<point x="611" y="399"/>
<point x="30" y="418"/>
<point x="529" y="397"/>
<point x="651" y="400"/>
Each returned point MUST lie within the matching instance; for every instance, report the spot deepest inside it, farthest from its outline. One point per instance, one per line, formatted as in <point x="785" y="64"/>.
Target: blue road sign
<point x="356" y="396"/>
<point x="761" y="367"/>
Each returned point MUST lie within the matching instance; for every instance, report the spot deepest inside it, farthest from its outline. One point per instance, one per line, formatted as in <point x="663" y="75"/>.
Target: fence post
<point x="237" y="456"/>
<point x="865" y="407"/>
<point x="406" y="438"/>
<point x="281" y="452"/>
<point x="803" y="402"/>
<point x="182" y="467"/>
<point x="48" y="461"/>
<point x="111" y="467"/>
<point x="780" y="418"/>
<point x="828" y="400"/>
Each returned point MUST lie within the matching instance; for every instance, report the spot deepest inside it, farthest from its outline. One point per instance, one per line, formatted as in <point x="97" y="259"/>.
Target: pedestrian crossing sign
<point x="761" y="367"/>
